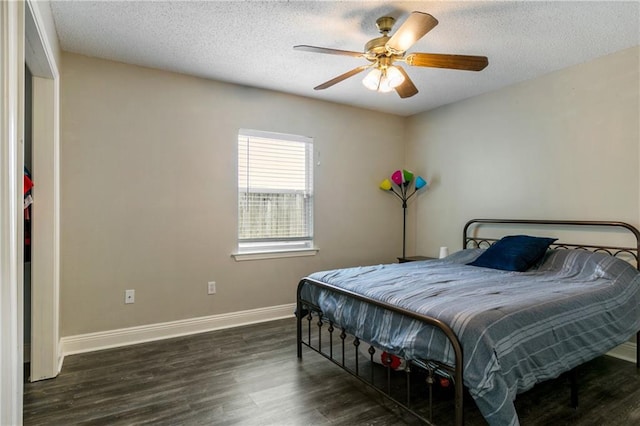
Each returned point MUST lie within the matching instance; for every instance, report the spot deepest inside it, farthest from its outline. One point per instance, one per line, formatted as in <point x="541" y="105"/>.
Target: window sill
<point x="261" y="255"/>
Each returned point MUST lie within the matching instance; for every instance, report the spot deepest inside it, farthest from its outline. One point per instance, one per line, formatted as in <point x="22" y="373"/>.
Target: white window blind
<point x="275" y="191"/>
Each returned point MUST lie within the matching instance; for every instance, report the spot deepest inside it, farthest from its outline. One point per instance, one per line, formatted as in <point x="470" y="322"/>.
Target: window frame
<point x="269" y="248"/>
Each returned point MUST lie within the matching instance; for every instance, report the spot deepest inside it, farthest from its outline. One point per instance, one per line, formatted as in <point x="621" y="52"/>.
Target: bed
<point x="494" y="332"/>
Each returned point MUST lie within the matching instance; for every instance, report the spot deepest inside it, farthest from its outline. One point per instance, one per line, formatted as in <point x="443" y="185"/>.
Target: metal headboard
<point x="477" y="242"/>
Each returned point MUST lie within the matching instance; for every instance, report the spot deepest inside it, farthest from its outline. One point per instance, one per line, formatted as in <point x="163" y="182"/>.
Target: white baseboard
<point x="128" y="336"/>
<point x="60" y="356"/>
<point x="147" y="333"/>
<point x="626" y="351"/>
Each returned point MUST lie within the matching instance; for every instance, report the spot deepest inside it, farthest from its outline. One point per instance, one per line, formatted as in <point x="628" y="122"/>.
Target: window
<point x="275" y="192"/>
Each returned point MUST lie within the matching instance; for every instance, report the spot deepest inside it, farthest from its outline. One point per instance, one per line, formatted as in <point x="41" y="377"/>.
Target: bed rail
<point x="456" y="372"/>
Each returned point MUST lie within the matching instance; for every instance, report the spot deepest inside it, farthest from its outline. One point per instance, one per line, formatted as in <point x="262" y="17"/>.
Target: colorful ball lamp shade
<point x="397" y="177"/>
<point x="402" y="179"/>
<point x="385" y="185"/>
<point x="407" y="177"/>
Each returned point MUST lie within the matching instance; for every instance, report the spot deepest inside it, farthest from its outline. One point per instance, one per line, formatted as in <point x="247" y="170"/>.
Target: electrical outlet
<point x="129" y="296"/>
<point x="211" y="287"/>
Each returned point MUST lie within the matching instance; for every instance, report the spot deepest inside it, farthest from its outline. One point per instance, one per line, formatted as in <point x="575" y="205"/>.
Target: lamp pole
<point x="402" y="195"/>
<point x="404" y="225"/>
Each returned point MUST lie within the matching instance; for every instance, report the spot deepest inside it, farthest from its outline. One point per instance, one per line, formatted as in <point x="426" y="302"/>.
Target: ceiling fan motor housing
<point x="376" y="47"/>
<point x="385" y="24"/>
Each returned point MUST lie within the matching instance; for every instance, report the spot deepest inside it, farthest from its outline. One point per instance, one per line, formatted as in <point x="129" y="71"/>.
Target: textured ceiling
<point x="250" y="43"/>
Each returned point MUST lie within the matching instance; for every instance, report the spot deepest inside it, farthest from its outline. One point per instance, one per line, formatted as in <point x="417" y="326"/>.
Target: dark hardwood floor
<point x="251" y="376"/>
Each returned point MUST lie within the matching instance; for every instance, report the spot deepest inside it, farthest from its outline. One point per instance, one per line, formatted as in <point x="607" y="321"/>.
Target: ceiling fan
<point x="383" y="51"/>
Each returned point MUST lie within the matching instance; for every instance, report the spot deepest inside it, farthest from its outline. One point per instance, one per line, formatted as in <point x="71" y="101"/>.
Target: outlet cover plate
<point x="211" y="287"/>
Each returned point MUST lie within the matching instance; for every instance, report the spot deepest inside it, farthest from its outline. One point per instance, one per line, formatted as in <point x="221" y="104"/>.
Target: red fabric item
<point x="390" y="360"/>
<point x="28" y="184"/>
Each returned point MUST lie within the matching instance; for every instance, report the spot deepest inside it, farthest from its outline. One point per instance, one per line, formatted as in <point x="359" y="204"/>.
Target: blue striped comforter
<point x="516" y="328"/>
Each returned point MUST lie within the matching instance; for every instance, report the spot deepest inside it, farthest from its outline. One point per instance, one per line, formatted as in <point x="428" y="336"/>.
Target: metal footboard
<point x="306" y="311"/>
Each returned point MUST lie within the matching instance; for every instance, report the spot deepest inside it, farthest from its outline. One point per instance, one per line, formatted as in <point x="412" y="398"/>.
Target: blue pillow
<point x="514" y="253"/>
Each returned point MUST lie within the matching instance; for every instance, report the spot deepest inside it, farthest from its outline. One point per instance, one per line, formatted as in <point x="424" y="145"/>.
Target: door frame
<point x="11" y="232"/>
<point x="23" y="37"/>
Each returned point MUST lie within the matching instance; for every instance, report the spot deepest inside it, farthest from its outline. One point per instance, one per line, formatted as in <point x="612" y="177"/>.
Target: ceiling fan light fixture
<point x="372" y="80"/>
<point x="384" y="86"/>
<point x="383" y="80"/>
<point x="394" y="77"/>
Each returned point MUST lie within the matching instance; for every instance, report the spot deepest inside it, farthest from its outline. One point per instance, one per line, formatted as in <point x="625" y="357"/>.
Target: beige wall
<point x="563" y="146"/>
<point x="148" y="184"/>
<point x="149" y="193"/>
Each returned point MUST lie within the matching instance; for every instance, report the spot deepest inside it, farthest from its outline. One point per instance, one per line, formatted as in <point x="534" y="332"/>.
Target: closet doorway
<point x="45" y="360"/>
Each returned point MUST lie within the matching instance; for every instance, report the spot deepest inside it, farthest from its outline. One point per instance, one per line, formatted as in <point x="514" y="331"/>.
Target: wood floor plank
<point x="251" y="376"/>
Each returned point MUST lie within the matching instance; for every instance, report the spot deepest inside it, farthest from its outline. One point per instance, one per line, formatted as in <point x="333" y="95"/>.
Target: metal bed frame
<point x="307" y="310"/>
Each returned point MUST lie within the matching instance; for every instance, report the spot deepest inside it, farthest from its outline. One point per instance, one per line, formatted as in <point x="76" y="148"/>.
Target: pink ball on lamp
<point x="397" y="177"/>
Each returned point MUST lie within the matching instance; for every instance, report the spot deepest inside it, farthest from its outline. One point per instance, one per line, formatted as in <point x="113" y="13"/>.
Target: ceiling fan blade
<point x="456" y="62"/>
<point x="315" y="49"/>
<point x="339" y="78"/>
<point x="412" y="30"/>
<point x="407" y="88"/>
